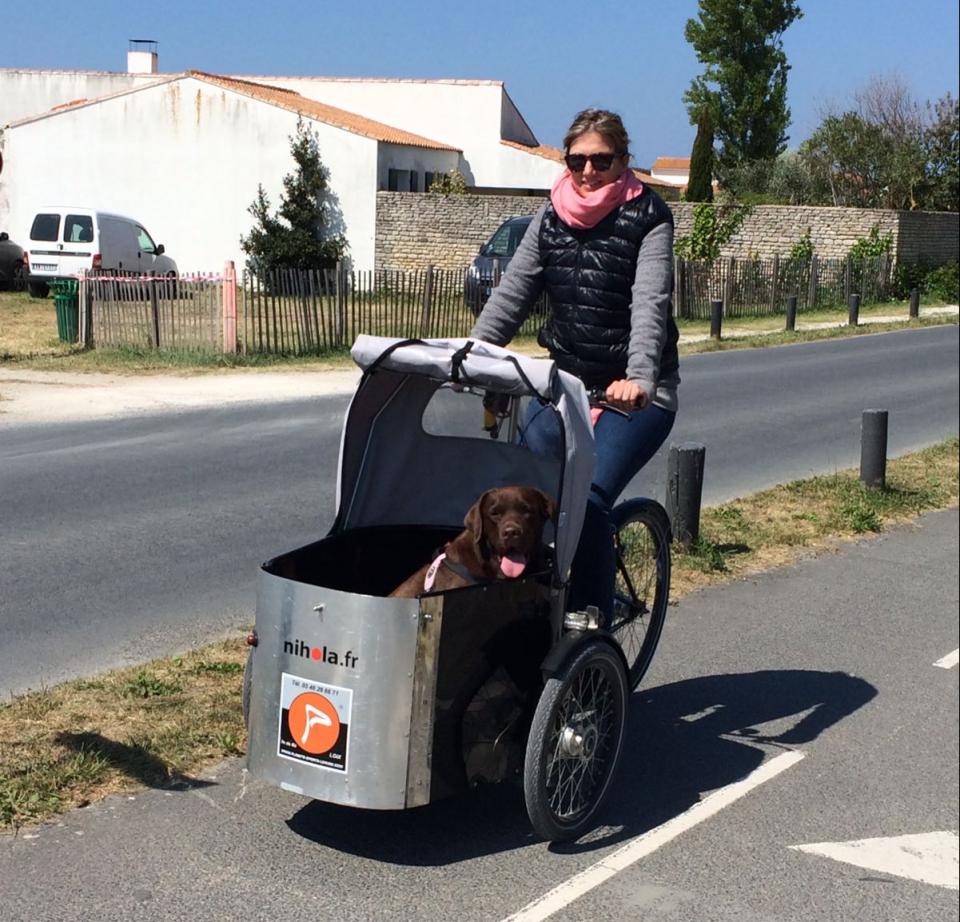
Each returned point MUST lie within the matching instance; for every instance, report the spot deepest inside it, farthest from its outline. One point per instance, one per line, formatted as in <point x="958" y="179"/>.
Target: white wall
<point x="185" y="158"/>
<point x="24" y="93"/>
<point x="416" y="159"/>
<point x="519" y="170"/>
<point x="466" y="115"/>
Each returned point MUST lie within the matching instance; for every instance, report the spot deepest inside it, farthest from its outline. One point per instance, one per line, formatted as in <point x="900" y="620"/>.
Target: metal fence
<point x="300" y="312"/>
<point x="760" y="287"/>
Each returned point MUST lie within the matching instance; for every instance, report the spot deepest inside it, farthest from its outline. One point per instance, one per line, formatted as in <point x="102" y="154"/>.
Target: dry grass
<point x="787" y="522"/>
<point x="28" y="338"/>
<point x="152" y="725"/>
<point x="28" y="327"/>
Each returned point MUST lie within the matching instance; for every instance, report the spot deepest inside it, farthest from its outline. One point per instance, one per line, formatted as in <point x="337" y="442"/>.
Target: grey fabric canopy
<point x="394" y="471"/>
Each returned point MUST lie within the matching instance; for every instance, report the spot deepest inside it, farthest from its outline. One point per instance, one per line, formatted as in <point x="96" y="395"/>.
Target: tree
<point x="941" y="141"/>
<point x="700" y="184"/>
<point x="888" y="151"/>
<point x="744" y="84"/>
<point x="452" y="183"/>
<point x="299" y="235"/>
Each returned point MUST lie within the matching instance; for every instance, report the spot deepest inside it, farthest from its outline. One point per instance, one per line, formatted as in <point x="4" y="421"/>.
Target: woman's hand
<point x="627" y="395"/>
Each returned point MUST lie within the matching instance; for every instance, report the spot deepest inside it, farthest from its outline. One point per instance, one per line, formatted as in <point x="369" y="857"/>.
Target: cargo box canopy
<point x="393" y="471"/>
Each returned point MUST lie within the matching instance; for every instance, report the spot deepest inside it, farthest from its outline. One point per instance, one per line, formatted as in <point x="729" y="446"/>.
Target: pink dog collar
<point x="431" y="576"/>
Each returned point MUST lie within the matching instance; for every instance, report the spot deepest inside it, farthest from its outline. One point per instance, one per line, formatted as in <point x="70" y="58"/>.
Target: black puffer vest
<point x="588" y="275"/>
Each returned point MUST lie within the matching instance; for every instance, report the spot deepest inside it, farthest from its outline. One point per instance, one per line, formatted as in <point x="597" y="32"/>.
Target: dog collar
<point x="431" y="576"/>
<point x="452" y="566"/>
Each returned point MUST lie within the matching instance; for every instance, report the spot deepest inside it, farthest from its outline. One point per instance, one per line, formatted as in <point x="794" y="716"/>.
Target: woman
<point x="602" y="248"/>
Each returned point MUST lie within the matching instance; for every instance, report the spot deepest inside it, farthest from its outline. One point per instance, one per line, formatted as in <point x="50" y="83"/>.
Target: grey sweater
<point x="522" y="284"/>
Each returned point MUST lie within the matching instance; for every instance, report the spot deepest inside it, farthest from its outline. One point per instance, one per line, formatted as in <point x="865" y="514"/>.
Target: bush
<point x="873" y="245"/>
<point x="943" y="283"/>
<point x="936" y="283"/>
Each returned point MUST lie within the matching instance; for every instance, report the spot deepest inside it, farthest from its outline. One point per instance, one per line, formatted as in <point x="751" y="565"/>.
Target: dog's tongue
<point x="512" y="564"/>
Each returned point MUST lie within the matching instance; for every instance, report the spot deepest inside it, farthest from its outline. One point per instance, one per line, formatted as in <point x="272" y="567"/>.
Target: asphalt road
<point x="827" y="664"/>
<point x="125" y="539"/>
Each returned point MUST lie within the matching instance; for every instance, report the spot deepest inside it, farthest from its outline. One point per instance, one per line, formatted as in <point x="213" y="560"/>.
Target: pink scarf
<point x="583" y="211"/>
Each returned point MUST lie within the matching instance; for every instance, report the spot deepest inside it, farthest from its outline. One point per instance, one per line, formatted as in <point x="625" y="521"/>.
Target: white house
<point x="184" y="153"/>
<point x="674" y="171"/>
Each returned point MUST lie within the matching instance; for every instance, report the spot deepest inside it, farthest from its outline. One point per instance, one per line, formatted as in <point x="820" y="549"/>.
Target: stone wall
<point x="772" y="230"/>
<point x="414" y="231"/>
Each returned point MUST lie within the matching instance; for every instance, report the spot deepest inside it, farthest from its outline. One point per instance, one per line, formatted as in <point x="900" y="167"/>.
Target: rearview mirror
<point x="4" y="236"/>
<point x="159" y="249"/>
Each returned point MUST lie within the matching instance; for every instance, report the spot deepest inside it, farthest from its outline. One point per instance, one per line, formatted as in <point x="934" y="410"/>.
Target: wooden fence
<point x="182" y="314"/>
<point x="294" y="312"/>
<point x="315" y="311"/>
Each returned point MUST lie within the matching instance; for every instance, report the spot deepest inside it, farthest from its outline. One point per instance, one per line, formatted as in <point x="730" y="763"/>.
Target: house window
<point x="428" y="181"/>
<point x="414" y="178"/>
<point x="398" y="180"/>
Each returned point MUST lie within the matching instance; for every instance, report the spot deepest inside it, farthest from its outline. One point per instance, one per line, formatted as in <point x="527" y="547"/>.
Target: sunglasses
<point x="600" y="162"/>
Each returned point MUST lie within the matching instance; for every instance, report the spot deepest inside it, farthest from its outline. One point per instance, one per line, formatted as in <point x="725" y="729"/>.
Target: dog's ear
<point x="547" y="505"/>
<point x="473" y="520"/>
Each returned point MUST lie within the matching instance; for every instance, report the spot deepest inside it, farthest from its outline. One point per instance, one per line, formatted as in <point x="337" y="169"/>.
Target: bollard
<point x="873" y="449"/>
<point x="914" y="303"/>
<point x="792" y="313"/>
<point x="684" y="491"/>
<point x="854" y="312"/>
<point x="716" y="318"/>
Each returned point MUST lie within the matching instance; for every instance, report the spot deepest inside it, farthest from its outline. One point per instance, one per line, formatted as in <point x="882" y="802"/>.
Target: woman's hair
<point x="609" y="124"/>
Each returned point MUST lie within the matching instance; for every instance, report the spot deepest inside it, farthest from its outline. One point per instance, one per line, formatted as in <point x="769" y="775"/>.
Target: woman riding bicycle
<point x="602" y="249"/>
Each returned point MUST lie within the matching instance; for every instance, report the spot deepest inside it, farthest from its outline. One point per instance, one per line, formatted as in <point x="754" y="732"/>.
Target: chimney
<point x="142" y="56"/>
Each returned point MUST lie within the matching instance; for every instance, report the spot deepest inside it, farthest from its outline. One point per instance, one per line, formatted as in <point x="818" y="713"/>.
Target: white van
<point x="65" y="240"/>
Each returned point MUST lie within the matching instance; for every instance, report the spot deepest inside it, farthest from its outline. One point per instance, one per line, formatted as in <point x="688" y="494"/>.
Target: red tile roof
<point x="681" y="164"/>
<point x="329" y="115"/>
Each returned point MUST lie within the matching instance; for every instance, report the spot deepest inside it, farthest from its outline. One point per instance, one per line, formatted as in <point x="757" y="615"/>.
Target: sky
<point x="555" y="58"/>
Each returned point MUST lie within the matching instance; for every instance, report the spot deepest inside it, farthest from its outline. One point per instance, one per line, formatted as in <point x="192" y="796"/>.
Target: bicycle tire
<point x="575" y="741"/>
<point x="642" y="589"/>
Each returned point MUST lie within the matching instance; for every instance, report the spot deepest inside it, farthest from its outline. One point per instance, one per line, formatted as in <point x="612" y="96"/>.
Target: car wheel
<point x="38" y="289"/>
<point x="16" y="278"/>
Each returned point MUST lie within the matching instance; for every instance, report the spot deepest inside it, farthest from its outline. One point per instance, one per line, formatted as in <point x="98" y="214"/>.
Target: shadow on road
<point x="682" y="740"/>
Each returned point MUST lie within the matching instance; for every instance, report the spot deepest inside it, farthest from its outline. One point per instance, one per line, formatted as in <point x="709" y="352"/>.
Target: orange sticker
<point x="313" y="723"/>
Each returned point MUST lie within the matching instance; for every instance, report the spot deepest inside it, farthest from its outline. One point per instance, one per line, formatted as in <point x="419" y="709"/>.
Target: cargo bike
<point x="359" y="699"/>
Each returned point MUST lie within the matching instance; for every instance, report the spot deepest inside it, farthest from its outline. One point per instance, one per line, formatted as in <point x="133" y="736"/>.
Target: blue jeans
<point x="624" y="444"/>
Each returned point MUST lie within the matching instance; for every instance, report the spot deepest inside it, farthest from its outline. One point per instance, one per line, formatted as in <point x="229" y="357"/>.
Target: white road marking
<point x="572" y="889"/>
<point x="930" y="857"/>
<point x="948" y="661"/>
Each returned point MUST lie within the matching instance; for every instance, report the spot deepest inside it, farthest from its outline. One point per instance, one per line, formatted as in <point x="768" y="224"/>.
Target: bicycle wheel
<point x="575" y="741"/>
<point x="642" y="589"/>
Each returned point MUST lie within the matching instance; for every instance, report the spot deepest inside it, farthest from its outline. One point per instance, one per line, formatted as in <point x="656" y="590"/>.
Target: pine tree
<point x="298" y="236"/>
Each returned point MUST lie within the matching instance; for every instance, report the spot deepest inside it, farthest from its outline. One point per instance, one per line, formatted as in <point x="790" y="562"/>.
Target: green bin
<point x="66" y="300"/>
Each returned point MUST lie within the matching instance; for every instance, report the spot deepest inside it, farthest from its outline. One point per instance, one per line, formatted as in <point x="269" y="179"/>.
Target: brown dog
<point x="501" y="538"/>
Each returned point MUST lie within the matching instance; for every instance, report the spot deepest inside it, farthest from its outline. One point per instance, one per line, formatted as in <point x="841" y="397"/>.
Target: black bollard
<point x="716" y="318"/>
<point x="684" y="490"/>
<point x="873" y="449"/>
<point x="792" y="313"/>
<point x="914" y="304"/>
<point x="854" y="315"/>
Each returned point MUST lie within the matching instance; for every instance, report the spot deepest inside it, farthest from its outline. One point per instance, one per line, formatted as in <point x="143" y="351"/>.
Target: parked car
<point x="65" y="240"/>
<point x="11" y="262"/>
<point x="492" y="260"/>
